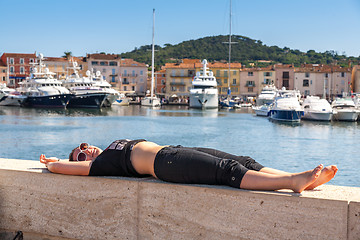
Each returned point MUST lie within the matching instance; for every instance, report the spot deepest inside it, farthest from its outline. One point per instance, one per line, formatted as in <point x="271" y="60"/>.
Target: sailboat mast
<point x="229" y="51"/>
<point x="152" y="56"/>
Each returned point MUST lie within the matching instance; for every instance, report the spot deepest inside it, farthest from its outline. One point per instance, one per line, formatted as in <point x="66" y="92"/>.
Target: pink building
<point x="284" y="76"/>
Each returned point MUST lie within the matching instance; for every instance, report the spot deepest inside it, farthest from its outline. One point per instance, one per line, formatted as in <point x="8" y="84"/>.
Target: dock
<point x="43" y="205"/>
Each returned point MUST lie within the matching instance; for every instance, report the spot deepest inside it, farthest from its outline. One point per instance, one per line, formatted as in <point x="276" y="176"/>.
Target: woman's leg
<point x="265" y="181"/>
<point x="326" y="175"/>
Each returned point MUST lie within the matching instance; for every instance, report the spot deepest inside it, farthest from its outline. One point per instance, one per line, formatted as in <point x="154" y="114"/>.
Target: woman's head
<point x="84" y="152"/>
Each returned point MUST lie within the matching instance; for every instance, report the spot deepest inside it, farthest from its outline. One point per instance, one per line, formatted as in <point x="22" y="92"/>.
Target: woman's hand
<point x="46" y="160"/>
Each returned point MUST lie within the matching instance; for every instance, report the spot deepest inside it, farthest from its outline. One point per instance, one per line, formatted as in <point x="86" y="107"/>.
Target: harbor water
<point x="26" y="133"/>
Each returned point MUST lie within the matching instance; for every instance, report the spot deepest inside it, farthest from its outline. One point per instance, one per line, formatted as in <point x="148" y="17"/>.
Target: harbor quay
<point x="37" y="204"/>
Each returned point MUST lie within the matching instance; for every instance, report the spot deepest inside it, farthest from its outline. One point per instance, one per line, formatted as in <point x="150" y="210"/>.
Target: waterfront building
<point x="355" y="78"/>
<point x="327" y="81"/>
<point x="59" y="66"/>
<point x="160" y="83"/>
<point x="125" y="75"/>
<point x="284" y="76"/>
<point x="249" y="82"/>
<point x="179" y="77"/>
<point x="18" y="67"/>
<point x="133" y="77"/>
<point x="221" y="72"/>
<point x="3" y="73"/>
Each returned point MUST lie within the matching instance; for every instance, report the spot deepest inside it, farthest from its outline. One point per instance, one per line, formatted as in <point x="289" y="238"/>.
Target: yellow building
<point x="179" y="77"/>
<point x="221" y="72"/>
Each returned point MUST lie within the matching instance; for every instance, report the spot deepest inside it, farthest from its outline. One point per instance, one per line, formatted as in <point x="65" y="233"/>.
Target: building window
<point x="141" y="72"/>
<point x="307" y="75"/>
<point x="234" y="81"/>
<point x="11" y="61"/>
<point x="94" y="63"/>
<point x="250" y="74"/>
<point x="217" y="73"/>
<point x="267" y="74"/>
<point x="286" y="75"/>
<point x="343" y="74"/>
<point x="326" y="75"/>
<point x="133" y="73"/>
<point x="285" y="83"/>
<point x="125" y="88"/>
<point x="113" y="71"/>
<point x="250" y="83"/>
<point x="133" y="88"/>
<point x="22" y="70"/>
<point x="225" y="73"/>
<point x="21" y="61"/>
<point x="103" y="64"/>
<point x="3" y="78"/>
<point x="234" y="72"/>
<point x="267" y="81"/>
<point x="250" y="89"/>
<point x="307" y="92"/>
<point x="305" y="82"/>
<point x="225" y="80"/>
<point x="31" y="60"/>
<point x="113" y="78"/>
<point x="112" y="63"/>
<point x="173" y="88"/>
<point x="11" y="69"/>
<point x="141" y="80"/>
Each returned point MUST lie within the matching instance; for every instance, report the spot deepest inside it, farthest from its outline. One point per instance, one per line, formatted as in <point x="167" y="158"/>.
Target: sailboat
<point x="152" y="100"/>
<point x="228" y="102"/>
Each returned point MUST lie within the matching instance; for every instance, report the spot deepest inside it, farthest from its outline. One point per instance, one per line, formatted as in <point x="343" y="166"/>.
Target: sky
<point x="116" y="26"/>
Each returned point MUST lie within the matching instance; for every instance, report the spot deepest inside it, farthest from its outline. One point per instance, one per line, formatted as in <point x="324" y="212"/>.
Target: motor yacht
<point x="85" y="94"/>
<point x="267" y="95"/>
<point x="345" y="109"/>
<point x="263" y="110"/>
<point x="317" y="109"/>
<point x="204" y="92"/>
<point x="10" y="97"/>
<point x="286" y="106"/>
<point x="100" y="82"/>
<point x="122" y="100"/>
<point x="42" y="89"/>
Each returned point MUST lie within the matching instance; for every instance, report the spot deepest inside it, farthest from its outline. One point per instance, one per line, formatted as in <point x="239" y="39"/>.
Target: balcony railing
<point x="125" y="82"/>
<point x="250" y="85"/>
<point x="129" y="75"/>
<point x="177" y="84"/>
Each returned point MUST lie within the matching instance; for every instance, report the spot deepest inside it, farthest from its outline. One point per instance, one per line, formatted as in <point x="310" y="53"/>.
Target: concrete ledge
<point x="54" y="206"/>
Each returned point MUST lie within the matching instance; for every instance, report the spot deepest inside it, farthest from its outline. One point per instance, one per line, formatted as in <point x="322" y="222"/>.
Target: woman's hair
<point x="71" y="154"/>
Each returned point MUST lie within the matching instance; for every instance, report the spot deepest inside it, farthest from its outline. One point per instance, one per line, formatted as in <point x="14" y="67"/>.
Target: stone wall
<point x="52" y="206"/>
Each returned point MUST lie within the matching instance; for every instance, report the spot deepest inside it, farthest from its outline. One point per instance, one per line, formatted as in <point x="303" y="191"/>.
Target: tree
<point x="67" y="55"/>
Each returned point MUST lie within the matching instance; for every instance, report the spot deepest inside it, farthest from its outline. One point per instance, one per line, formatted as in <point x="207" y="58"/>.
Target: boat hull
<point x="150" y="102"/>
<point x="12" y="100"/>
<point x="349" y="116"/>
<point x="88" y="100"/>
<point x="286" y="115"/>
<point x="52" y="101"/>
<point x="203" y="100"/>
<point x="317" y="116"/>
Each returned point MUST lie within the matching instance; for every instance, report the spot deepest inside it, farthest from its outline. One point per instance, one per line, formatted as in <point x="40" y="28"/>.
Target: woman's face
<point x="91" y="153"/>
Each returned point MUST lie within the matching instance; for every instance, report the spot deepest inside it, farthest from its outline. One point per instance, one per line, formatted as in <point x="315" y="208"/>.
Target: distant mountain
<point x="246" y="51"/>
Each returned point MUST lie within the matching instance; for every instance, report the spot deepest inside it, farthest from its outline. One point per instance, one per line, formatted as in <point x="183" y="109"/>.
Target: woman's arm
<point x="66" y="167"/>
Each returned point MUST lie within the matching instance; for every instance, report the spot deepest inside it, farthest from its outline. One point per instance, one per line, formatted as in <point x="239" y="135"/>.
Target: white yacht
<point x="345" y="109"/>
<point x="122" y="100"/>
<point x="85" y="94"/>
<point x="152" y="100"/>
<point x="204" y="92"/>
<point x="113" y="95"/>
<point x="10" y="97"/>
<point x="267" y="95"/>
<point x="263" y="110"/>
<point x="317" y="109"/>
<point x="286" y="106"/>
<point x="43" y="90"/>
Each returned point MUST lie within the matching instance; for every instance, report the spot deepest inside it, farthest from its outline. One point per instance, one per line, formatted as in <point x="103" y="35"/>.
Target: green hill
<point x="246" y="51"/>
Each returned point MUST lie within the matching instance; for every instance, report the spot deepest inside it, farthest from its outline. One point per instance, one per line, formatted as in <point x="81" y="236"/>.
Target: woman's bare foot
<point x="305" y="179"/>
<point x="326" y="175"/>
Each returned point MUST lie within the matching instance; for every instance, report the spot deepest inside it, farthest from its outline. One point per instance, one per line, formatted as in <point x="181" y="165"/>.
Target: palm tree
<point x="67" y="55"/>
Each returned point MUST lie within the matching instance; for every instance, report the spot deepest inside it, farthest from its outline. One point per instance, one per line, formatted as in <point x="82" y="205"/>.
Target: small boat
<point x="43" y="90"/>
<point x="286" y="106"/>
<point x="122" y="100"/>
<point x="204" y="92"/>
<point x="152" y="100"/>
<point x="345" y="109"/>
<point x="85" y="95"/>
<point x="10" y="97"/>
<point x="263" y="110"/>
<point x="317" y="109"/>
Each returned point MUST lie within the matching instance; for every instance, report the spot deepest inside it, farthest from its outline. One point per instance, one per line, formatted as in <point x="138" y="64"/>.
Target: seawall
<point x="52" y="206"/>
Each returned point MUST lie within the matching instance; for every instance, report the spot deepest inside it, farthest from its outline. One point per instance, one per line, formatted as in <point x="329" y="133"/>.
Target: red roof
<point x="19" y="55"/>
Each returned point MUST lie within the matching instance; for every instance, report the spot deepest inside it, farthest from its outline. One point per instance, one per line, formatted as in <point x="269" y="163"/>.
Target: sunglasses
<point x="81" y="155"/>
